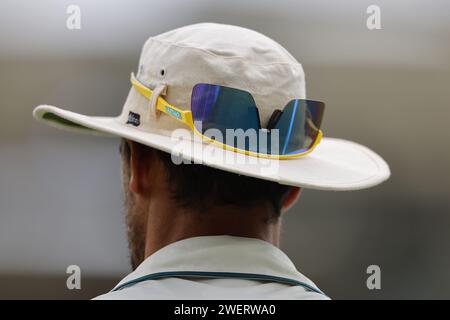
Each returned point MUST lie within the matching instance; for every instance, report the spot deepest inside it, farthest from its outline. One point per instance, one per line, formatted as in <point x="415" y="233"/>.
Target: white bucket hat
<point x="172" y="63"/>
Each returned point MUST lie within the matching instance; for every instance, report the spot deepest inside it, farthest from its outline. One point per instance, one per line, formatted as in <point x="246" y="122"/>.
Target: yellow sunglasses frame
<point x="185" y="117"/>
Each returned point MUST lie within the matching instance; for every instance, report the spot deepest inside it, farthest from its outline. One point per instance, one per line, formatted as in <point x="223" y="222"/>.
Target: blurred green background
<point x="60" y="197"/>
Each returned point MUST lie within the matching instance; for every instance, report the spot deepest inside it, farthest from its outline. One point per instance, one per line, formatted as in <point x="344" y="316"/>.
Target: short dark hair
<point x="197" y="186"/>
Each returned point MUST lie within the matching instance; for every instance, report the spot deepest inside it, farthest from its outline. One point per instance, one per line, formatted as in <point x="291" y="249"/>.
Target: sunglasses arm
<point x="184" y="116"/>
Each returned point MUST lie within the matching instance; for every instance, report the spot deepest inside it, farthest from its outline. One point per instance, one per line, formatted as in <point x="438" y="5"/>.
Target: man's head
<point x="201" y="200"/>
<point x="171" y="65"/>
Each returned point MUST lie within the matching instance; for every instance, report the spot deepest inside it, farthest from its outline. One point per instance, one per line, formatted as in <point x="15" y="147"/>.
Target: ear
<point x="141" y="168"/>
<point x="291" y="198"/>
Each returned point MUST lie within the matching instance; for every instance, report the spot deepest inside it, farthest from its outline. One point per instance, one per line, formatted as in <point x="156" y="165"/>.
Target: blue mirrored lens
<point x="230" y="116"/>
<point x="299" y="125"/>
<point x="217" y="108"/>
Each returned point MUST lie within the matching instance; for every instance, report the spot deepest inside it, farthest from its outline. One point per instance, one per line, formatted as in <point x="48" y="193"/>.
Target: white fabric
<point x="216" y="254"/>
<point x="335" y="164"/>
<point x="239" y="58"/>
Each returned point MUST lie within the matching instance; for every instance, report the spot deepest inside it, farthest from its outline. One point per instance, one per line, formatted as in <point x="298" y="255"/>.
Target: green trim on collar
<point x="218" y="275"/>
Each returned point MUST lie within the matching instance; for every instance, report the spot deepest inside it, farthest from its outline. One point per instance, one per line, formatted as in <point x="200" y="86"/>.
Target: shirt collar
<point x="219" y="254"/>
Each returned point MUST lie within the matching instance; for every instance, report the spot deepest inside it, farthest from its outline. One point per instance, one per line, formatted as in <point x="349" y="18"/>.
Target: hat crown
<point x="229" y="41"/>
<point x="217" y="54"/>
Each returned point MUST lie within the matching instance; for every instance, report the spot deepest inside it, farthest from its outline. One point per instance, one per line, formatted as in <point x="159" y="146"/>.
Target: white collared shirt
<point x="216" y="267"/>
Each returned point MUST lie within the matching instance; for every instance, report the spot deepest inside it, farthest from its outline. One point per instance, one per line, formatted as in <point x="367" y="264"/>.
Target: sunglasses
<point x="218" y="111"/>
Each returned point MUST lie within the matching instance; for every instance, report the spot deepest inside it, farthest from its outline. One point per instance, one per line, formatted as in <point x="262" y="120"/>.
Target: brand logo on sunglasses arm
<point x="173" y="112"/>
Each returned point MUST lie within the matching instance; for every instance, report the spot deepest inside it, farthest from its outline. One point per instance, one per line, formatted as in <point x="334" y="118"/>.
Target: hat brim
<point x="335" y="164"/>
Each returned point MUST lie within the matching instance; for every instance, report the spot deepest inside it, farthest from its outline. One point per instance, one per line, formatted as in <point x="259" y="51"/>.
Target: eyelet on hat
<point x="160" y="89"/>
